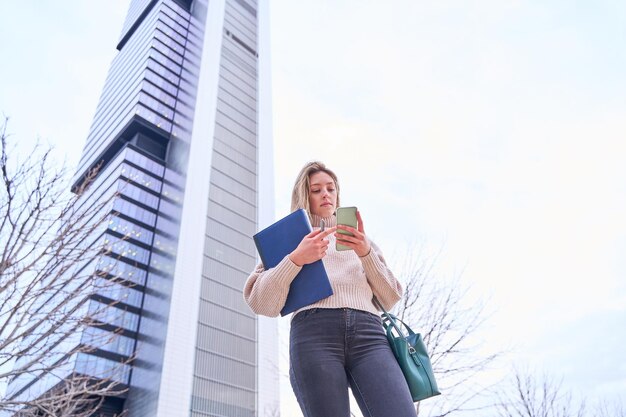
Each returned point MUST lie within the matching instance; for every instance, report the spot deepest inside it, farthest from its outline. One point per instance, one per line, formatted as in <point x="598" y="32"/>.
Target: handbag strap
<point x="390" y="317"/>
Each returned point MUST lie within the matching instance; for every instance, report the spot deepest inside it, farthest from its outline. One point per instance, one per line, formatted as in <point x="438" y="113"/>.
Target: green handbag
<point x="410" y="352"/>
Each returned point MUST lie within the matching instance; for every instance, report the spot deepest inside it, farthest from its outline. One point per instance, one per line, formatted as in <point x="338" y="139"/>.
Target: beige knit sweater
<point x="354" y="280"/>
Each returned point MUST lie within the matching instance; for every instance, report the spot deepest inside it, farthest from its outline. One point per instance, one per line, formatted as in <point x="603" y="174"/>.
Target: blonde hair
<point x="302" y="187"/>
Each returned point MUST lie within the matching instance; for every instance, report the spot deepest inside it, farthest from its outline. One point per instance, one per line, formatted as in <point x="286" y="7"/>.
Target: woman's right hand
<point x="312" y="247"/>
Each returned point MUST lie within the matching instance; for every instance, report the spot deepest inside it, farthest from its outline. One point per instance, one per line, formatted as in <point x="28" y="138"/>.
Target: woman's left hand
<point x="359" y="241"/>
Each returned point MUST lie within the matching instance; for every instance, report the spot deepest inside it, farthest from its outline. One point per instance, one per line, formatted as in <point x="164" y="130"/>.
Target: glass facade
<point x="145" y="128"/>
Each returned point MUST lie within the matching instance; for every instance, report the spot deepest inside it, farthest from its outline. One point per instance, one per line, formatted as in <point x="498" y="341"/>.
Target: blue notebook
<point x="278" y="240"/>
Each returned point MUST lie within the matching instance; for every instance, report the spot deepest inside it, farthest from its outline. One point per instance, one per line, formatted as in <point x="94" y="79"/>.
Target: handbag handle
<point x="398" y="322"/>
<point x="392" y="320"/>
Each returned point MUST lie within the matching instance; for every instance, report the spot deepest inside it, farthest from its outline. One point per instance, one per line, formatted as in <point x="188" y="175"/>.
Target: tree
<point x="533" y="395"/>
<point x="51" y="242"/>
<point x="537" y="394"/>
<point x="606" y="409"/>
<point x="438" y="310"/>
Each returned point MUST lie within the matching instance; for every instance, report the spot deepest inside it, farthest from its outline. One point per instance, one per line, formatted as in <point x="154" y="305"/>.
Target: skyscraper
<point x="182" y="132"/>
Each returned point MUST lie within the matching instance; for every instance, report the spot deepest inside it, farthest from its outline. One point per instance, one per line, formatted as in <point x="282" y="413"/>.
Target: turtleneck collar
<point x="329" y="221"/>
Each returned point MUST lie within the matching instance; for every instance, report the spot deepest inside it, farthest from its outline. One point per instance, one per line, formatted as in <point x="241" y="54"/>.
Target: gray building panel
<point x="226" y="199"/>
<point x="234" y="141"/>
<point x="220" y="290"/>
<point x="228" y="275"/>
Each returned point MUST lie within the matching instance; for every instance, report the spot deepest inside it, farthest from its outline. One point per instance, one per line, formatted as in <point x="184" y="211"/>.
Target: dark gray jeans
<point x="333" y="349"/>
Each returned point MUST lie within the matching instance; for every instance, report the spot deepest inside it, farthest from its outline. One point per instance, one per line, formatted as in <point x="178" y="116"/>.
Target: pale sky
<point x="492" y="129"/>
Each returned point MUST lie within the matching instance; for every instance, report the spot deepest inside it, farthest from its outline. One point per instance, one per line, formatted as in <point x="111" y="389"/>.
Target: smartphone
<point x="346" y="216"/>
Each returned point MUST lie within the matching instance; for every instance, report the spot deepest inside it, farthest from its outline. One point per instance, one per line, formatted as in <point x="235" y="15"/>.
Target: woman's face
<point x="322" y="194"/>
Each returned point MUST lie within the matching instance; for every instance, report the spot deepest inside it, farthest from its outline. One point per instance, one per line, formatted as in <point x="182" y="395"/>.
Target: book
<point x="280" y="239"/>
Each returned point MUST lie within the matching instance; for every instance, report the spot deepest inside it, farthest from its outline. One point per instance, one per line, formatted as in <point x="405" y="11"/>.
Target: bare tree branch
<point x="533" y="394"/>
<point x="530" y="393"/>
<point x="53" y="303"/>
<point x="437" y="309"/>
<point x="606" y="409"/>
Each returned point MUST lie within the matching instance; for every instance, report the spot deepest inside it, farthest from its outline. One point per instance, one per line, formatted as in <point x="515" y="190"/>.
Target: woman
<point x="337" y="342"/>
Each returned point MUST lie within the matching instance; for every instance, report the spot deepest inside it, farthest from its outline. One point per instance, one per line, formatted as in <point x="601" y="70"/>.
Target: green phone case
<point x="347" y="216"/>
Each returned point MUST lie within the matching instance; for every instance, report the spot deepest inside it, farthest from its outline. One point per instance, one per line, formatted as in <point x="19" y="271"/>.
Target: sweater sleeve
<point x="384" y="284"/>
<point x="266" y="291"/>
